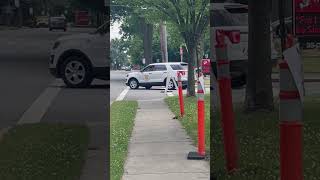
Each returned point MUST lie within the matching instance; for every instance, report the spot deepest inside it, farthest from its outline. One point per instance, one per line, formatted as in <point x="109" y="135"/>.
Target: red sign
<point x="82" y="18"/>
<point x="206" y="66"/>
<point x="306" y="17"/>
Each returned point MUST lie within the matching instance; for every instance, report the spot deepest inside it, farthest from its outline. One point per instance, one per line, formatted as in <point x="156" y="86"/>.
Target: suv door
<point x="147" y="74"/>
<point x="160" y="71"/>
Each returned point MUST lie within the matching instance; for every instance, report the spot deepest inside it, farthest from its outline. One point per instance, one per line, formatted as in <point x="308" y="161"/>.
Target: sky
<point x="115" y="30"/>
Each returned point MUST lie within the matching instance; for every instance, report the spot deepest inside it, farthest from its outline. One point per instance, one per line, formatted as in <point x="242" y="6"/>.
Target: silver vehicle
<point x="57" y="23"/>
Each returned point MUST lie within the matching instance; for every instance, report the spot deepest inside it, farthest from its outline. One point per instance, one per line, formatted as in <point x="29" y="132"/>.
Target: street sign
<point x="306" y="14"/>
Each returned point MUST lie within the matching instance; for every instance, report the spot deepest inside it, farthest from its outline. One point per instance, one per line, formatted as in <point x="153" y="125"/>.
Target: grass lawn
<point x="122" y="115"/>
<point x="190" y="120"/>
<point x="258" y="135"/>
<point x="42" y="151"/>
<point x="311" y="61"/>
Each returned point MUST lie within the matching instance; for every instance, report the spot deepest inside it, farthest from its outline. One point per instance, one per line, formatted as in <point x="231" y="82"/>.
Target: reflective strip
<point x="180" y="83"/>
<point x="287" y="82"/>
<point x="285" y="95"/>
<point x="200" y="96"/>
<point x="291" y="110"/>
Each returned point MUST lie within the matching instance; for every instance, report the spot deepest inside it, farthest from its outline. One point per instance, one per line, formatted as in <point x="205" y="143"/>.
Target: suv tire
<point x="171" y="84"/>
<point x="76" y="72"/>
<point x="133" y="83"/>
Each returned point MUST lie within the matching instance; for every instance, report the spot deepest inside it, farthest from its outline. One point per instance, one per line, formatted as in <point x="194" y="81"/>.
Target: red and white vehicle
<point x="156" y="75"/>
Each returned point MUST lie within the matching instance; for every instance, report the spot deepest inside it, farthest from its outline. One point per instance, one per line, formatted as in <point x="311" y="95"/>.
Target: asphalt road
<point x="117" y="84"/>
<point x="24" y="77"/>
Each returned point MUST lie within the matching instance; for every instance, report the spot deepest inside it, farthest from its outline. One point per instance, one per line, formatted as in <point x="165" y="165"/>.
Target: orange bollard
<point x="201" y="127"/>
<point x="291" y="126"/>
<point x="180" y="94"/>
<point x="227" y="115"/>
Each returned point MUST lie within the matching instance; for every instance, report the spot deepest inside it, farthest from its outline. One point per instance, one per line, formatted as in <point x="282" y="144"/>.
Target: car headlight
<point x="56" y="45"/>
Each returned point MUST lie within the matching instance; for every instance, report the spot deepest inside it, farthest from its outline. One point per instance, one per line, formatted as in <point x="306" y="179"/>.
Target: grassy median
<point x="43" y="151"/>
<point x="190" y="120"/>
<point x="258" y="135"/>
<point x="122" y="121"/>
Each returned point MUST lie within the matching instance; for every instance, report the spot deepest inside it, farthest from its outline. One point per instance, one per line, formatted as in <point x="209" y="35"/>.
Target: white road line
<point x="40" y="106"/>
<point x="123" y="94"/>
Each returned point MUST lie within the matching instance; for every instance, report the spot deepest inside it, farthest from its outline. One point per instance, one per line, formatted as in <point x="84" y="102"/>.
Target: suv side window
<point x="176" y="67"/>
<point x="149" y="68"/>
<point x="160" y="68"/>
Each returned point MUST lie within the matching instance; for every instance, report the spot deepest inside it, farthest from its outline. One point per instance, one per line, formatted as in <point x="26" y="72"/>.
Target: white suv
<point x="234" y="17"/>
<point x="78" y="59"/>
<point x="156" y="75"/>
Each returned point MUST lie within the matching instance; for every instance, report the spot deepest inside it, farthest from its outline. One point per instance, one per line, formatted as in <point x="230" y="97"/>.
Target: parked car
<point x="78" y="59"/>
<point x="57" y="23"/>
<point x="233" y="17"/>
<point x="42" y="21"/>
<point x="156" y="75"/>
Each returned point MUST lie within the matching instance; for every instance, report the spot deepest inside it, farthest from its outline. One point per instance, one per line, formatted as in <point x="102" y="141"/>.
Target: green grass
<point x="190" y="120"/>
<point x="122" y="120"/>
<point x="42" y="151"/>
<point x="258" y="136"/>
<point x="311" y="63"/>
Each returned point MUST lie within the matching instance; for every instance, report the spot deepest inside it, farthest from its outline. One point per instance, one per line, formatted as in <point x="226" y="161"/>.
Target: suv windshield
<point x="176" y="67"/>
<point x="230" y="17"/>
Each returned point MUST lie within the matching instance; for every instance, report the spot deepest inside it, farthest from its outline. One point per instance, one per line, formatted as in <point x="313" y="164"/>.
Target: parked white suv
<point x="234" y="17"/>
<point x="156" y="75"/>
<point x="78" y="59"/>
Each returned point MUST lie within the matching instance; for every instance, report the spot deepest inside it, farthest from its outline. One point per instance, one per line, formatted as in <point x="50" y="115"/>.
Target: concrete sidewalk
<point x="159" y="146"/>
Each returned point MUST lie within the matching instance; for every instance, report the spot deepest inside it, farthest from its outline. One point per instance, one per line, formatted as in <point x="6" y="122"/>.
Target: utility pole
<point x="163" y="42"/>
<point x="19" y="13"/>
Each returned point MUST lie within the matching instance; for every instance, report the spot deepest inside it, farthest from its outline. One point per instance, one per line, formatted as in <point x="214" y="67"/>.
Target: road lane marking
<point x="123" y="94"/>
<point x="40" y="106"/>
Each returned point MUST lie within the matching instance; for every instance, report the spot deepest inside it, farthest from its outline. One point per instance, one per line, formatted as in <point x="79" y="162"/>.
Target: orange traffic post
<point x="201" y="127"/>
<point x="181" y="103"/>
<point x="290" y="122"/>
<point x="227" y="115"/>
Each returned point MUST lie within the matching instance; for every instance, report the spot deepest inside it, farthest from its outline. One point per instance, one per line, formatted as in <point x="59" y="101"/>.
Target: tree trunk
<point x="147" y="43"/>
<point x="259" y="93"/>
<point x="163" y="42"/>
<point x="192" y="58"/>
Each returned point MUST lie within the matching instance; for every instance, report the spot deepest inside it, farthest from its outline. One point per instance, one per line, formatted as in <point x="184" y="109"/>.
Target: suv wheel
<point x="76" y="72"/>
<point x="133" y="83"/>
<point x="171" y="85"/>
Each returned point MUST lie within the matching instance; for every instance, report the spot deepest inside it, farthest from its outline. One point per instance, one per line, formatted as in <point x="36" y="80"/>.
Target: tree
<point x="118" y="54"/>
<point x="190" y="16"/>
<point x="259" y="94"/>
